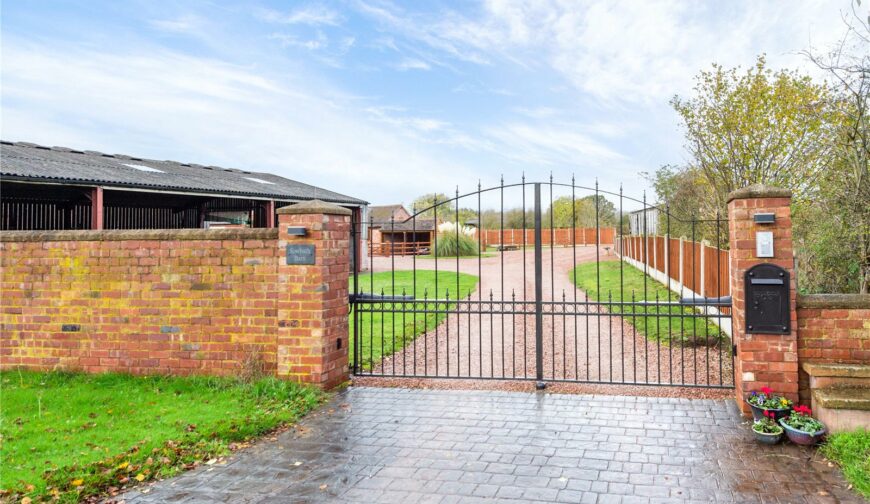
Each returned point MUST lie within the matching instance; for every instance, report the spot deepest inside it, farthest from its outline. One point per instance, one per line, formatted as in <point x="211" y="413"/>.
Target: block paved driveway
<point x="373" y="445"/>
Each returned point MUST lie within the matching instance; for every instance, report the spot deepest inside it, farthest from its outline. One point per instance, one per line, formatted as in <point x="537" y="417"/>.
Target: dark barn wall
<point x="25" y="207"/>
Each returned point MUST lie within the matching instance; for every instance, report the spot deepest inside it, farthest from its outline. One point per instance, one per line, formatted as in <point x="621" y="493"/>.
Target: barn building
<point x="394" y="231"/>
<point x="57" y="188"/>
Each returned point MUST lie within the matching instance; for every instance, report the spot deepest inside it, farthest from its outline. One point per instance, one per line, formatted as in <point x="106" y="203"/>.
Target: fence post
<point x="667" y="242"/>
<point x="682" y="247"/>
<point x="703" y="290"/>
<point x="313" y="310"/>
<point x="761" y="359"/>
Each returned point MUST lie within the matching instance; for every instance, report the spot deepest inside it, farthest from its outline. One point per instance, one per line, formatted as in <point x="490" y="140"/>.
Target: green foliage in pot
<point x="801" y="420"/>
<point x="767" y="425"/>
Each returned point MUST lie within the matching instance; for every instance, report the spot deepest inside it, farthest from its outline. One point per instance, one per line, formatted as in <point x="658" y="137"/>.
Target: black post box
<point x="768" y="303"/>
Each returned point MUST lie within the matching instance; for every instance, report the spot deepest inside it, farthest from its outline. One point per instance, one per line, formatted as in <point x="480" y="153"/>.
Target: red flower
<point x="803" y="410"/>
<point x="766" y="390"/>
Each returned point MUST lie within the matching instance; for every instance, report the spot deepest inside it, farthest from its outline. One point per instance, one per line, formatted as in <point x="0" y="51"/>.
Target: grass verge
<point x="383" y="333"/>
<point x="69" y="436"/>
<point x="851" y="451"/>
<point x="669" y="325"/>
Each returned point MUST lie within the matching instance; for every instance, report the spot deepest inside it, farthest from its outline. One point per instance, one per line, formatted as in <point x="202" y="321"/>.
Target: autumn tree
<point x="583" y="214"/>
<point x="428" y="205"/>
<point x="755" y="126"/>
<point x="832" y="228"/>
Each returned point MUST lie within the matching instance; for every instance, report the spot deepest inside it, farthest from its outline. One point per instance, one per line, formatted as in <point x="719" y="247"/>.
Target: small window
<point x="143" y="168"/>
<point x="259" y="181"/>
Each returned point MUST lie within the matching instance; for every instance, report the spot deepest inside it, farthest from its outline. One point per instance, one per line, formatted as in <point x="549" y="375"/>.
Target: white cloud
<point x="313" y="15"/>
<point x="321" y="41"/>
<point x="182" y="24"/>
<point x="622" y="51"/>
<point x="161" y="104"/>
<point x="413" y="64"/>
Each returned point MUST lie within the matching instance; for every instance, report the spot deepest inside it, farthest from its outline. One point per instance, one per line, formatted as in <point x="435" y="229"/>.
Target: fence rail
<point x="401" y="248"/>
<point x="561" y="237"/>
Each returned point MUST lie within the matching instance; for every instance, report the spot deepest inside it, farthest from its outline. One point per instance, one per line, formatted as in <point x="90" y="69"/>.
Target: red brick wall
<point x="762" y="359"/>
<point x="313" y="315"/>
<point x="832" y="328"/>
<point x="178" y="301"/>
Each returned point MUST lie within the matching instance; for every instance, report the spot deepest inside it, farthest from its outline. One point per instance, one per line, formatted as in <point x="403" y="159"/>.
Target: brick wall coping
<point x="834" y="301"/>
<point x="314" y="206"/>
<point x="758" y="191"/>
<point x="141" y="234"/>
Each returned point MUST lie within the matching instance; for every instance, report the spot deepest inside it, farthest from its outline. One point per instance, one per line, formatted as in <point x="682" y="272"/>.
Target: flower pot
<point x="801" y="437"/>
<point x="758" y="412"/>
<point x="765" y="438"/>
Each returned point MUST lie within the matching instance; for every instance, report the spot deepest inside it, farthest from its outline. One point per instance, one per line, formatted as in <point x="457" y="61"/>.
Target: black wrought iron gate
<point x="574" y="289"/>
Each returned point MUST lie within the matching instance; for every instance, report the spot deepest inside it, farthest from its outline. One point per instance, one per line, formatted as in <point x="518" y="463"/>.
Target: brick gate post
<point x="314" y="238"/>
<point x="761" y="359"/>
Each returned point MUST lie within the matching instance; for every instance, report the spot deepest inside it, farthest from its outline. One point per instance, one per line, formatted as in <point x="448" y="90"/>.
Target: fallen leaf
<point x="297" y="463"/>
<point x="210" y="461"/>
<point x="123" y="465"/>
<point x="77" y="482"/>
<point x="323" y="487"/>
<point x="140" y="477"/>
<point x="25" y="500"/>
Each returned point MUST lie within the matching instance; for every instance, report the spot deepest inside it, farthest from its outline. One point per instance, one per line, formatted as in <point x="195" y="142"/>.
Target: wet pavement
<point x="373" y="445"/>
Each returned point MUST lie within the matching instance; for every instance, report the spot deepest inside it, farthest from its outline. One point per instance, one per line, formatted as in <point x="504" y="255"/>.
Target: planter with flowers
<point x="801" y="428"/>
<point x="766" y="430"/>
<point x="766" y="400"/>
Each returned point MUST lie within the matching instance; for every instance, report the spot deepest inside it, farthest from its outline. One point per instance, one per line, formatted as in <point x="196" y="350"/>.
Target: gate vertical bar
<point x="539" y="306"/>
<point x="356" y="267"/>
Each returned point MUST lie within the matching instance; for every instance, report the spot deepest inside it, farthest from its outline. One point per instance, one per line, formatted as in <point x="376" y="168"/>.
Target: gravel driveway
<point x="581" y="346"/>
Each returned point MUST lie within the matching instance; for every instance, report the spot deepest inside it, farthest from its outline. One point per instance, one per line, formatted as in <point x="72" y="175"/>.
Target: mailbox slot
<point x="768" y="303"/>
<point x="766" y="281"/>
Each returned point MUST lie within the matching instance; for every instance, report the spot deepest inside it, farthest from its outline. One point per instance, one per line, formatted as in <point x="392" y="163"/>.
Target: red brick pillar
<point x="762" y="359"/>
<point x="314" y="238"/>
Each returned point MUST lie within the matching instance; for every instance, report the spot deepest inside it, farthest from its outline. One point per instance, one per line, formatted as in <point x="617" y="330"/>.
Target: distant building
<point x="394" y="231"/>
<point x="643" y="222"/>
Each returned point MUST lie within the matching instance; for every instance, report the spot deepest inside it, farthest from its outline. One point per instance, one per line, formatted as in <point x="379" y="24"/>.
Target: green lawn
<point x="851" y="450"/>
<point x="383" y="334"/>
<point x="73" y="435"/>
<point x="666" y="324"/>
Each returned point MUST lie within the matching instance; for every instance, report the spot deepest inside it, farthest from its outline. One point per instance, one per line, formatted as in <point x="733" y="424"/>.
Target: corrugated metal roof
<point x="27" y="161"/>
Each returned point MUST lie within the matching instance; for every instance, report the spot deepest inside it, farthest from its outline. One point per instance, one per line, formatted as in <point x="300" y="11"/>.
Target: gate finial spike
<point x="524" y="177"/>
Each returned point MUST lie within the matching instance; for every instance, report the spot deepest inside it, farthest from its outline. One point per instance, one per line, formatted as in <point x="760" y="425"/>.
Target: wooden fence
<point x="561" y="237"/>
<point x="400" y="248"/>
<point x="695" y="267"/>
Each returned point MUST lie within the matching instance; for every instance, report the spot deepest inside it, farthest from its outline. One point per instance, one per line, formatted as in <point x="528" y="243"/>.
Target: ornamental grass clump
<point x="456" y="240"/>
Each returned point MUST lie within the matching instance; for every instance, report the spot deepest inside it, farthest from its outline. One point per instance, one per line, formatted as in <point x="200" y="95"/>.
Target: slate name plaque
<point x="300" y="254"/>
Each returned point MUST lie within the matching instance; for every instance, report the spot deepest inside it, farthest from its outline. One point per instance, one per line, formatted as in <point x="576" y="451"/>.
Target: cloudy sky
<point x="385" y="100"/>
